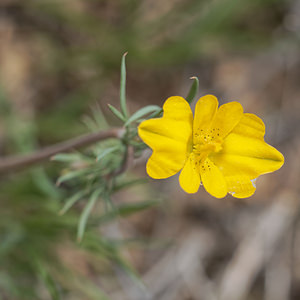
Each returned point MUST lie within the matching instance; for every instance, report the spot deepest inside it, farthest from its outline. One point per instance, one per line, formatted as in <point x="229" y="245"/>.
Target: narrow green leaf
<point x="133" y="275"/>
<point x="156" y="114"/>
<point x="109" y="206"/>
<point x="193" y="90"/>
<point x="125" y="184"/>
<point x="71" y="201"/>
<point x="86" y="287"/>
<point x="123" y="87"/>
<point x="10" y="240"/>
<point x="128" y="209"/>
<point x="48" y="281"/>
<point x="116" y="112"/>
<point x="67" y="157"/>
<point x="106" y="152"/>
<point x="86" y="212"/>
<point x="142" y="112"/>
<point x="43" y="183"/>
<point x="98" y="116"/>
<point x="52" y="287"/>
<point x="71" y="175"/>
<point x="131" y="208"/>
<point x="90" y="123"/>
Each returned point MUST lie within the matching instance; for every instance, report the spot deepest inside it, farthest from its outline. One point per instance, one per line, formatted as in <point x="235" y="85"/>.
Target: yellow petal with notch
<point x="244" y="158"/>
<point x="213" y="180"/>
<point x="251" y="126"/>
<point x="170" y="138"/>
<point x="252" y="155"/>
<point x="189" y="178"/>
<point x="240" y="186"/>
<point x="237" y="172"/>
<point x="205" y="112"/>
<point x="227" y="117"/>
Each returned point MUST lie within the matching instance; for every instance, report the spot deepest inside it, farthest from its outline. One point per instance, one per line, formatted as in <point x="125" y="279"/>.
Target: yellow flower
<point x="224" y="149"/>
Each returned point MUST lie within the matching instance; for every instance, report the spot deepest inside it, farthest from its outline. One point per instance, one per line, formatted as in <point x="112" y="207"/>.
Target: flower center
<point x="207" y="148"/>
<point x="204" y="144"/>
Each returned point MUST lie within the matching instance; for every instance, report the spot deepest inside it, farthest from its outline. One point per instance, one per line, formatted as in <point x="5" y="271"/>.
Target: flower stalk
<point x="17" y="163"/>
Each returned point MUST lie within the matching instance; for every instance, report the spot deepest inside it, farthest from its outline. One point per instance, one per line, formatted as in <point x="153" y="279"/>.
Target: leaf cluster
<point x="94" y="175"/>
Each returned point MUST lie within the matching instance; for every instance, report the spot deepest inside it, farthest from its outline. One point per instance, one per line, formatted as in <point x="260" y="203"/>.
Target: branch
<point x="18" y="162"/>
<point x="127" y="162"/>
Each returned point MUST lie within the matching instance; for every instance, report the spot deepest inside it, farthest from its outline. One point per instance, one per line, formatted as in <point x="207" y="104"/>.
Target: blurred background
<point x="60" y="61"/>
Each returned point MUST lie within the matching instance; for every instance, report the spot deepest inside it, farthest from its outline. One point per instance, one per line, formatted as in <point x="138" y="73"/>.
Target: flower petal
<point x="251" y="126"/>
<point x="244" y="158"/>
<point x="237" y="174"/>
<point x="189" y="178"/>
<point x="240" y="186"/>
<point x="227" y="117"/>
<point x="169" y="137"/>
<point x="213" y="180"/>
<point x="253" y="157"/>
<point x="205" y="111"/>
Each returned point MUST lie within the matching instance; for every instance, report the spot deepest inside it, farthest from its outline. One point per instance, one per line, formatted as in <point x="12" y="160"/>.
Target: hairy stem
<point x="18" y="162"/>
